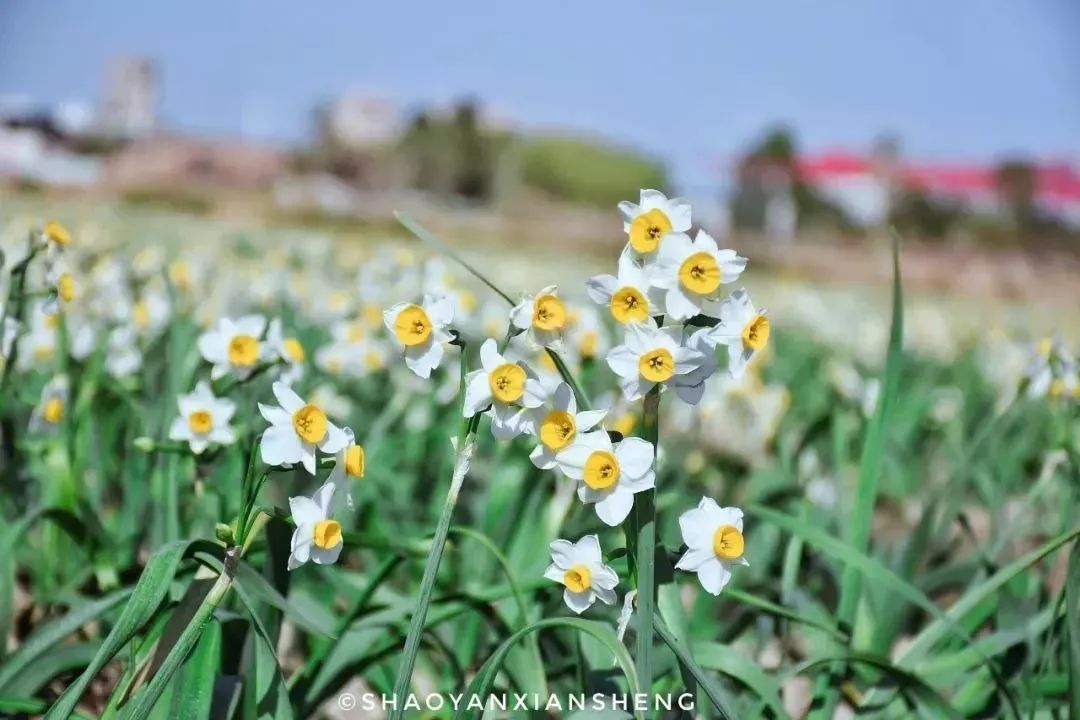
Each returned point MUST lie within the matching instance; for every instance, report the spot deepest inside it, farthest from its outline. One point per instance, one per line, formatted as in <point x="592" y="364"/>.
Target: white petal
<point x="680" y="304"/>
<point x="477" y="393"/>
<point x="653" y="199"/>
<point x="307" y="457"/>
<point x="424" y="358"/>
<point x="439" y="309"/>
<point x="554" y="573"/>
<point x="678" y="212"/>
<point x="613" y="509"/>
<point x="521" y="314"/>
<point x="601" y="287"/>
<point x="578" y="602"/>
<point x="713" y="575"/>
<point x="489" y="355"/>
<point x="694" y="558"/>
<point x="305" y="511"/>
<point x="326" y="556"/>
<point x="623" y="361"/>
<point x="588" y="419"/>
<point x="336" y="439"/>
<point x="275" y="415"/>
<point x="587" y="550"/>
<point x="180" y="429"/>
<point x="280" y="445"/>
<point x="635" y="456"/>
<point x="603" y="576"/>
<point x="562" y="554"/>
<point x="290" y="402"/>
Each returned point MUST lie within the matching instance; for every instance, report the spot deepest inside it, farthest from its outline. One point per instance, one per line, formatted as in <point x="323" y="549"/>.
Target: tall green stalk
<point x="644" y="544"/>
<point x="466" y="445"/>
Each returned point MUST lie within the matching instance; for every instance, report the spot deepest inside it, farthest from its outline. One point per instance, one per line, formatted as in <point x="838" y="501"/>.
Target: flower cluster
<point x="667" y="301"/>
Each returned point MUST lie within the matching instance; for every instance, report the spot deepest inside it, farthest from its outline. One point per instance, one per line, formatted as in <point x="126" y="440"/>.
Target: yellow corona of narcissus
<point x="651" y="356"/>
<point x="296" y="429"/>
<point x="204" y="419"/>
<point x="690" y="273"/>
<point x="744" y="330"/>
<point x="52" y="408"/>
<point x="580" y="568"/>
<point x="714" y="539"/>
<point x="649" y="222"/>
<point x="508" y="388"/>
<point x="350" y="463"/>
<point x="421" y="331"/>
<point x="233" y="346"/>
<point x="56" y="233"/>
<point x="609" y="475"/>
<point x="318" y="537"/>
<point x="628" y="296"/>
<point x="543" y="317"/>
<point x="557" y="423"/>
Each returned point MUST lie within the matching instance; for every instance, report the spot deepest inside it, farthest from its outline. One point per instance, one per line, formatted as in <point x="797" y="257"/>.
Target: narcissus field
<point x="262" y="474"/>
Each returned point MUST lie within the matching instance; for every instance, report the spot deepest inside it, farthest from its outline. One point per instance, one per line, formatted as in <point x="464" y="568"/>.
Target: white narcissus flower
<point x="628" y="296"/>
<point x="317" y="537"/>
<point x="650" y="221"/>
<point x="204" y="419"/>
<point x="10" y="331"/>
<point x="714" y="541"/>
<point x="52" y="407"/>
<point x="543" y="317"/>
<point x="557" y="423"/>
<point x="507" y="387"/>
<point x="691" y="272"/>
<point x="691" y="387"/>
<point x="233" y="346"/>
<point x="421" y="330"/>
<point x="288" y="350"/>
<point x="122" y="355"/>
<point x="649" y="356"/>
<point x="580" y="568"/>
<point x="742" y="329"/>
<point x="609" y="476"/>
<point x="296" y="430"/>
<point x="61" y="280"/>
<point x="350" y="463"/>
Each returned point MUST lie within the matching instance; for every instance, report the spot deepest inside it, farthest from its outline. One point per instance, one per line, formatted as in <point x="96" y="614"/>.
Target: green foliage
<point x="587" y="172"/>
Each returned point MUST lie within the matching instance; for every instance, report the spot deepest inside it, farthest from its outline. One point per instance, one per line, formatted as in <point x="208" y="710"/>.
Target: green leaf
<point x="143" y="702"/>
<point x="194" y="689"/>
<point x="723" y="658"/>
<point x="485" y="676"/>
<point x="873" y="452"/>
<point x="907" y="681"/>
<point x="1072" y="613"/>
<point x="716" y="694"/>
<point x="144" y="599"/>
<point x="257" y="587"/>
<point x="49" y="635"/>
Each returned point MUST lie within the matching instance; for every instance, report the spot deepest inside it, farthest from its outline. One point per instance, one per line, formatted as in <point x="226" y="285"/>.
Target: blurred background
<point x="798" y="130"/>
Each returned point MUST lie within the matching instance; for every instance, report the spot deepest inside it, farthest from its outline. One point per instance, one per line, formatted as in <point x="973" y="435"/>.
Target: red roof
<point x="1054" y="182"/>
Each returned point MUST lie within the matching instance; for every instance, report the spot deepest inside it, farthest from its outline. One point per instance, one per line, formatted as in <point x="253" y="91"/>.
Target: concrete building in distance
<point x="359" y="121"/>
<point x="130" y="96"/>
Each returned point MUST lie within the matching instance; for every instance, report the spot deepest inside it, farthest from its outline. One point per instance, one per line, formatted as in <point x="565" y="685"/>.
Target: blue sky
<point x="690" y="81"/>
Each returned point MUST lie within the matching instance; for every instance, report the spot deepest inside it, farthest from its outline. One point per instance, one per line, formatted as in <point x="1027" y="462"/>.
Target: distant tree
<point x="1016" y="188"/>
<point x="588" y="172"/>
<point x="770" y="166"/>
<point x="918" y="214"/>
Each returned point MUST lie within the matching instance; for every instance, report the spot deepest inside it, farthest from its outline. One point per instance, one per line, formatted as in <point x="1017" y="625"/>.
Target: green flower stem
<point x="465" y="448"/>
<point x="644" y="545"/>
<point x="17" y="302"/>
<point x="144" y="702"/>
